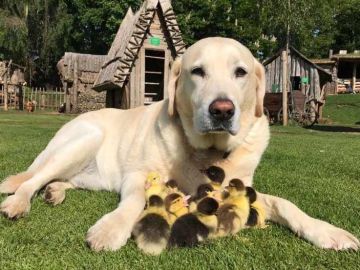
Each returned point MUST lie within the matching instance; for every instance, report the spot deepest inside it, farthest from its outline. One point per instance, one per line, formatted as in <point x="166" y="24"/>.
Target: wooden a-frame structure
<point x="136" y="69"/>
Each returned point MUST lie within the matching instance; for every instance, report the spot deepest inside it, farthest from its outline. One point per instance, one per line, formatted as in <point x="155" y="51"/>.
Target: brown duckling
<point x="192" y="228"/>
<point x="152" y="231"/>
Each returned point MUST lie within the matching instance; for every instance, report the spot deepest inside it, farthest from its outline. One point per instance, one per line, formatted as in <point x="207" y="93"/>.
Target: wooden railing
<point x="40" y="98"/>
<point x="341" y="85"/>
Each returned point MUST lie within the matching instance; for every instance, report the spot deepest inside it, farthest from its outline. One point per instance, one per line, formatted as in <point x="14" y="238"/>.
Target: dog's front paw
<point x="54" y="193"/>
<point x="15" y="206"/>
<point x="327" y="236"/>
<point x="109" y="233"/>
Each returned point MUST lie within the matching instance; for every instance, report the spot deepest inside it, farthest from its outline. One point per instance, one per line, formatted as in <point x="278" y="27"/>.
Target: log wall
<point x="297" y="66"/>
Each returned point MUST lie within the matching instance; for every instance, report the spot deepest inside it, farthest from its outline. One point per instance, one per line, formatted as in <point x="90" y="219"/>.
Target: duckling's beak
<point x="147" y="185"/>
<point x="186" y="200"/>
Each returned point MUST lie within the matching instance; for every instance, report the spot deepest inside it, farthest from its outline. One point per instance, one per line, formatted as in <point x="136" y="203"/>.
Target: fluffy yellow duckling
<point x="154" y="186"/>
<point x="176" y="205"/>
<point x="216" y="176"/>
<point x="257" y="213"/>
<point x="152" y="231"/>
<point x="192" y="228"/>
<point x="233" y="214"/>
<point x="172" y="187"/>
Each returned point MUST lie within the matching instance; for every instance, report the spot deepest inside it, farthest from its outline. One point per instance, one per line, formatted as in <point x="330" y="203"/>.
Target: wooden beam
<point x="284" y="87"/>
<point x="6" y="76"/>
<point x="75" y="86"/>
<point x="67" y="98"/>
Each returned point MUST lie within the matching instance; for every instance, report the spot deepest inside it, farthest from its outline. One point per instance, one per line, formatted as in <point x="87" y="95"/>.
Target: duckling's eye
<point x="198" y="71"/>
<point x="240" y="72"/>
<point x="177" y="200"/>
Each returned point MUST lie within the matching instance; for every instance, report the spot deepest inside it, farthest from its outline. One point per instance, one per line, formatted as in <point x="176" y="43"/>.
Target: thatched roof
<point x="16" y="75"/>
<point x="129" y="39"/>
<point x="85" y="62"/>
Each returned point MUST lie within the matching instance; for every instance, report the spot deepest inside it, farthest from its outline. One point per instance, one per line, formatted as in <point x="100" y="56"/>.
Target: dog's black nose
<point x="222" y="109"/>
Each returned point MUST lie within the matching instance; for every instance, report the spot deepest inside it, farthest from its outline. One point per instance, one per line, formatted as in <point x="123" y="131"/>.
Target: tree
<point x="234" y="19"/>
<point x="347" y="22"/>
<point x="13" y="30"/>
<point x="310" y="22"/>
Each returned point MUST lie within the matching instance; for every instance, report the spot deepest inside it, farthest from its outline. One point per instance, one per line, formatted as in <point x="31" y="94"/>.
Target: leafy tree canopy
<point x="36" y="33"/>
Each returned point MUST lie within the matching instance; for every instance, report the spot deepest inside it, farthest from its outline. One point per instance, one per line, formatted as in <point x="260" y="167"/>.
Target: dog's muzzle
<point x="221" y="112"/>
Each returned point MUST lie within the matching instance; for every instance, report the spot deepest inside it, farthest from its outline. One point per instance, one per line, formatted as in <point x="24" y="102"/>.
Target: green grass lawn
<point x="343" y="109"/>
<point x="317" y="170"/>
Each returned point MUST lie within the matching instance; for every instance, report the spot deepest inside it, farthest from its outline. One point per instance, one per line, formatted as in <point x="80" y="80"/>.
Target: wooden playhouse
<point x="136" y="70"/>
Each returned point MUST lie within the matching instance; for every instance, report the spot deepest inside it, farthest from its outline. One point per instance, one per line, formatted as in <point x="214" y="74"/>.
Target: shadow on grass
<point x="334" y="128"/>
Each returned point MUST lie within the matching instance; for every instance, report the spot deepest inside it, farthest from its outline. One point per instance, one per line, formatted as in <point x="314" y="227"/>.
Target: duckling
<point x="172" y="187"/>
<point x="204" y="190"/>
<point x="154" y="186"/>
<point x="176" y="205"/>
<point x="233" y="214"/>
<point x="206" y="213"/>
<point x="257" y="213"/>
<point x="216" y="176"/>
<point x="152" y="231"/>
<point x="192" y="228"/>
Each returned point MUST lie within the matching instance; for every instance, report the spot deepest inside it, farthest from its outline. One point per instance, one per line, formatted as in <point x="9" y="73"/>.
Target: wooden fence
<point x="42" y="98"/>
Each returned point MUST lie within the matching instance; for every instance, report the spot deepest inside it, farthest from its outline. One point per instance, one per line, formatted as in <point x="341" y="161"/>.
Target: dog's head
<point x="217" y="88"/>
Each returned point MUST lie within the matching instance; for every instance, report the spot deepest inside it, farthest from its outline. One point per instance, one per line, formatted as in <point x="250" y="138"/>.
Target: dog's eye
<point x="198" y="71"/>
<point x="240" y="72"/>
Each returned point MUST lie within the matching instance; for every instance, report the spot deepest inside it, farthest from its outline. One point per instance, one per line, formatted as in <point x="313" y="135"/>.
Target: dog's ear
<point x="174" y="76"/>
<point x="260" y="88"/>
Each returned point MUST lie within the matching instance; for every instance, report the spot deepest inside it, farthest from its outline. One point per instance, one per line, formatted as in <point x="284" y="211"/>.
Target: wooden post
<point x="23" y="98"/>
<point x="43" y="100"/>
<point x="6" y="86"/>
<point x="284" y="87"/>
<point x="56" y="99"/>
<point x="354" y="77"/>
<point x="36" y="95"/>
<point x="67" y="98"/>
<point x="75" y="86"/>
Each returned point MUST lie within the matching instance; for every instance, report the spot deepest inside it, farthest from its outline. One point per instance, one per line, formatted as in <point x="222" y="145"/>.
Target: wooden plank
<point x="154" y="57"/>
<point x="153" y="72"/>
<point x="306" y="68"/>
<point x="284" y="87"/>
<point x="317" y="87"/>
<point x="56" y="98"/>
<point x="67" y="98"/>
<point x="6" y="87"/>
<point x="75" y="85"/>
<point x="298" y="67"/>
<point x="23" y="97"/>
<point x="36" y="98"/>
<point x="272" y="73"/>
<point x="166" y="72"/>
<point x="278" y="72"/>
<point x="282" y="79"/>
<point x="312" y="88"/>
<point x="141" y="72"/>
<point x="152" y="83"/>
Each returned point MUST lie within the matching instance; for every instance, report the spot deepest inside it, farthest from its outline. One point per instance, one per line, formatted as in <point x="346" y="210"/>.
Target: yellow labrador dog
<point x="214" y="115"/>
